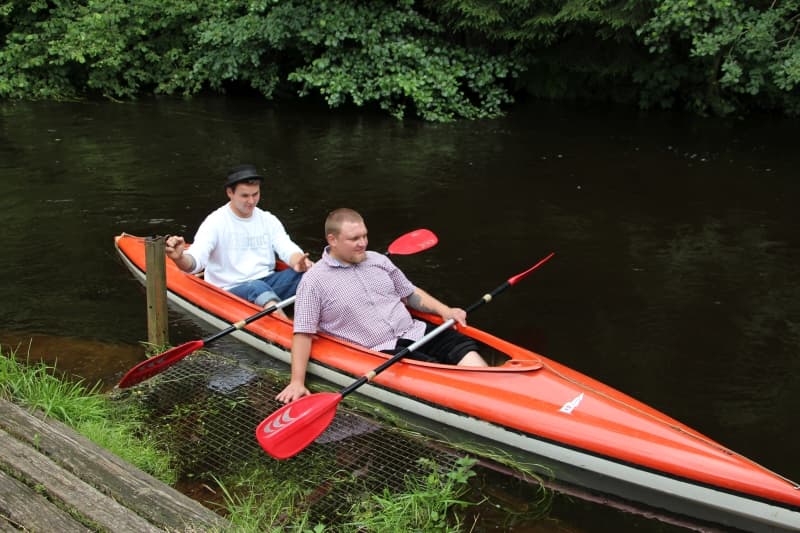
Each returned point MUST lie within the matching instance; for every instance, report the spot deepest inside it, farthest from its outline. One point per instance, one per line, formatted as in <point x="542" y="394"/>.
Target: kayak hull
<point x="583" y="431"/>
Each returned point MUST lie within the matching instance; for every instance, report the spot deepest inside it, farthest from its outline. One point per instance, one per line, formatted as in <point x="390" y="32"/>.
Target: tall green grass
<point x="35" y="385"/>
<point x="260" y="502"/>
<point x="268" y="498"/>
<point x="427" y="504"/>
<point x="118" y="429"/>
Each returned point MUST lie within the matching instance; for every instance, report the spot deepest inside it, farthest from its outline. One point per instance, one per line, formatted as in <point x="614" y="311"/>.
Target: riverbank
<point x="54" y="478"/>
<point x="57" y="475"/>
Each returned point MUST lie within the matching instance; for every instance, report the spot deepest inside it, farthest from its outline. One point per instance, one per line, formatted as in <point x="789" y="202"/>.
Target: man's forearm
<point x="301" y="353"/>
<point x="185" y="262"/>
<point x="422" y="301"/>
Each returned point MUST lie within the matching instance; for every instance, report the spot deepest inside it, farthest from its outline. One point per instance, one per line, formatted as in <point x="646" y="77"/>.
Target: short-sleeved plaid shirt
<point x="359" y="302"/>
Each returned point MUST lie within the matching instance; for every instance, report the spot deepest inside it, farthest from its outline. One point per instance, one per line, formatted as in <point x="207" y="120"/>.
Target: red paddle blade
<point x="156" y="364"/>
<point x="512" y="280"/>
<point x="413" y="242"/>
<point x="288" y="431"/>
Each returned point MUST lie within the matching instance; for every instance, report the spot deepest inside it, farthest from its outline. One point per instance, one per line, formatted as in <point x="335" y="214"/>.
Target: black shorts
<point x="448" y="347"/>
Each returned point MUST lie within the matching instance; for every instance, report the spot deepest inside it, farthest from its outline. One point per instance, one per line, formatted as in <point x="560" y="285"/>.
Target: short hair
<point x="337" y="217"/>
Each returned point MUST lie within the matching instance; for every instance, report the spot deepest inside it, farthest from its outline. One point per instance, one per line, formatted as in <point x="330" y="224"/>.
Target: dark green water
<point x="675" y="276"/>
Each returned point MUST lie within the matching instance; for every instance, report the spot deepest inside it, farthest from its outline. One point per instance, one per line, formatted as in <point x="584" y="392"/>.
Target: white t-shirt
<point x="233" y="250"/>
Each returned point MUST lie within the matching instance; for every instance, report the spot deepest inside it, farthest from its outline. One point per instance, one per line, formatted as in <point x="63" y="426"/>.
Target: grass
<point x="36" y="386"/>
<point x="427" y="504"/>
<point x="265" y="499"/>
<point x="263" y="502"/>
<point x="85" y="409"/>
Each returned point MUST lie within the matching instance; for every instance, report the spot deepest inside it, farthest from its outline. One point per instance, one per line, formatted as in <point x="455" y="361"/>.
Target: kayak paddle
<point x="290" y="429"/>
<point x="410" y="243"/>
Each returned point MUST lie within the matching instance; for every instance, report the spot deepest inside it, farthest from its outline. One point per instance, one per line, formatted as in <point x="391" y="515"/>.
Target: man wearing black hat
<point x="237" y="244"/>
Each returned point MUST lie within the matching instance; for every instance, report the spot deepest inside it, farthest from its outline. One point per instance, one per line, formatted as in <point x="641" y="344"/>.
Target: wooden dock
<point x="54" y="479"/>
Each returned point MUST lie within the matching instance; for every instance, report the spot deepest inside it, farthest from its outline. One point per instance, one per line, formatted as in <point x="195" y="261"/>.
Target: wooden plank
<point x="26" y="463"/>
<point x="159" y="503"/>
<point x="21" y="506"/>
<point x="156" y="289"/>
<point x="6" y="526"/>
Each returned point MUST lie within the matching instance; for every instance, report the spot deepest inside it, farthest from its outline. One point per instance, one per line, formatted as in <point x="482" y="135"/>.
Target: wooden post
<point x="156" y="283"/>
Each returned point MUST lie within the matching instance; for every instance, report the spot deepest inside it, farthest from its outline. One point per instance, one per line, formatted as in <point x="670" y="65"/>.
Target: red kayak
<point x="584" y="432"/>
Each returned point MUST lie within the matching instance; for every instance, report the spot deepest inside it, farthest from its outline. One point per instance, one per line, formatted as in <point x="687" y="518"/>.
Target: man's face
<point x="350" y="245"/>
<point x="244" y="198"/>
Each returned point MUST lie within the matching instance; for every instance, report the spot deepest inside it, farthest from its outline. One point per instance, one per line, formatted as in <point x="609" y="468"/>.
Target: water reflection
<point x="89" y="360"/>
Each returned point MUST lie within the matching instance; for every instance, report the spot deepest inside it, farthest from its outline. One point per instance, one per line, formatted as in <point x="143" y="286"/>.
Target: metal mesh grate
<point x="206" y="408"/>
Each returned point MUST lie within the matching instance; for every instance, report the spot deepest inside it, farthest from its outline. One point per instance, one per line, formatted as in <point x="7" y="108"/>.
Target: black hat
<point x="241" y="173"/>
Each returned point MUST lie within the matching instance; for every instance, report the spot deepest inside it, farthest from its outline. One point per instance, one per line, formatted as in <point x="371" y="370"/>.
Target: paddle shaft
<point x="430" y="240"/>
<point x="242" y="323"/>
<point x="486" y="298"/>
<point x="289" y="301"/>
<point x="396" y="357"/>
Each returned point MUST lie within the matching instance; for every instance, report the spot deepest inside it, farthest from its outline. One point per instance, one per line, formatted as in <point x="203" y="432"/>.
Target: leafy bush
<point x="723" y="55"/>
<point x="396" y="57"/>
<point x="438" y="59"/>
<point x="380" y="52"/>
<point x="709" y="56"/>
<point x="583" y="49"/>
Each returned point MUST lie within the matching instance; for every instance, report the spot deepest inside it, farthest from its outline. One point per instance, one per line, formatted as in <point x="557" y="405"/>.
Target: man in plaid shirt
<point x="361" y="296"/>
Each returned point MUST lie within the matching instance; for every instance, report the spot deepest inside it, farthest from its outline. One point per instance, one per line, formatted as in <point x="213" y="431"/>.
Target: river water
<point x="675" y="277"/>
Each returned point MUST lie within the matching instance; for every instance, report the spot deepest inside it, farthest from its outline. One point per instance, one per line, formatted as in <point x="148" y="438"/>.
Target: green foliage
<point x="543" y="22"/>
<point x="715" y="56"/>
<point x="438" y="59"/>
<point x="570" y="48"/>
<point x="394" y="56"/>
<point x="24" y="58"/>
<point x="35" y="386"/>
<point x="425" y="505"/>
<point x="111" y="47"/>
<point x="261" y="501"/>
<point x="380" y="52"/>
<point x="123" y="436"/>
<point x="281" y="496"/>
<point x="233" y="41"/>
<point x="731" y="55"/>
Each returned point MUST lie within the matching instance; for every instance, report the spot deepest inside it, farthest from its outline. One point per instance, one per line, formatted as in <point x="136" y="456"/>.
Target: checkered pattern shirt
<point x="359" y="302"/>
